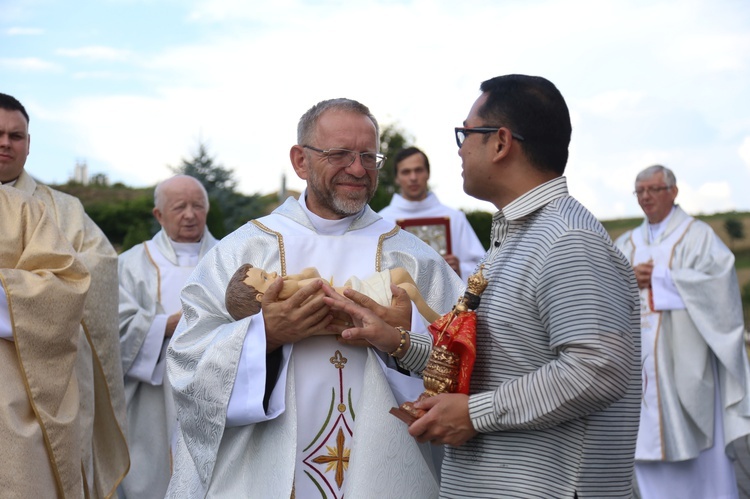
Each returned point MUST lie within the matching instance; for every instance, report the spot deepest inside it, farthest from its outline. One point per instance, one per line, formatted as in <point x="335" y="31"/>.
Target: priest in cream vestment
<point x="696" y="375"/>
<point x="151" y="277"/>
<point x="105" y="453"/>
<point x="42" y="292"/>
<point x="308" y="418"/>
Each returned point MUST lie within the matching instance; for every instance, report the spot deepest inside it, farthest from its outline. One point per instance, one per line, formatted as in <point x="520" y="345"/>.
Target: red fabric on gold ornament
<point x="457" y="332"/>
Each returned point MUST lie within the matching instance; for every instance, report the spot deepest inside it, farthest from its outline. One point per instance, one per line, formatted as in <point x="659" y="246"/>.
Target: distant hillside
<point x="93" y="194"/>
<point x="124" y="214"/>
<point x="117" y="193"/>
<point x="716" y="221"/>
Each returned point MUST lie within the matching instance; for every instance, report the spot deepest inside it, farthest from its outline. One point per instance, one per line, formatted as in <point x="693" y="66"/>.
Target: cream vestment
<point x="105" y="452"/>
<point x="44" y="286"/>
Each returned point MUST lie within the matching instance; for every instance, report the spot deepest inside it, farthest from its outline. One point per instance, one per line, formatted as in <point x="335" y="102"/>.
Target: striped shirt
<point x="555" y="393"/>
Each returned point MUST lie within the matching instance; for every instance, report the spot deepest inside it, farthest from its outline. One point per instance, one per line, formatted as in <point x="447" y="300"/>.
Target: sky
<point x="132" y="87"/>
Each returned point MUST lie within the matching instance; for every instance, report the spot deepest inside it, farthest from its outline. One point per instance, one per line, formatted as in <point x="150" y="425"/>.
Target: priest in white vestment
<point x="105" y="458"/>
<point x="42" y="292"/>
<point x="414" y="200"/>
<point x="696" y="376"/>
<point x="273" y="405"/>
<point x="151" y="277"/>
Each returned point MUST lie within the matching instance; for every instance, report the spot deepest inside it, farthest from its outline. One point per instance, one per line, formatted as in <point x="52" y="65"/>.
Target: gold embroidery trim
<point x="280" y="239"/>
<point x="158" y="273"/>
<point x="381" y="239"/>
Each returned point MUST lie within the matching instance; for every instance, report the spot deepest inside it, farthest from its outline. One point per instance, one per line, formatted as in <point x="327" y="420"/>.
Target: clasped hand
<point x="372" y="324"/>
<point x="317" y="309"/>
<point x="447" y="416"/>
<point x="643" y="274"/>
<point x="300" y="316"/>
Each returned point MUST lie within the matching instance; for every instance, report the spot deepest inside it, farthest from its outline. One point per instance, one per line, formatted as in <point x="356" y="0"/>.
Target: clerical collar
<point x="323" y="225"/>
<point x="401" y="202"/>
<point x="657" y="229"/>
<point x="187" y="254"/>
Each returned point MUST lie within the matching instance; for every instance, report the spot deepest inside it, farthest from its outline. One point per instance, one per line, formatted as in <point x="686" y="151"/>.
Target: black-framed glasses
<point x="342" y="158"/>
<point x="652" y="191"/>
<point x="462" y="132"/>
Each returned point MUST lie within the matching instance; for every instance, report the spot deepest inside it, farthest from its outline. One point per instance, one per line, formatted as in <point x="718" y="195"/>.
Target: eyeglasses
<point x="342" y="158"/>
<point x="652" y="191"/>
<point x="462" y="132"/>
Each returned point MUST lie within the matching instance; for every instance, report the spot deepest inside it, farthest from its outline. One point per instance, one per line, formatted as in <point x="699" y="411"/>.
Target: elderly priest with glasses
<point x="273" y="405"/>
<point x="695" y="370"/>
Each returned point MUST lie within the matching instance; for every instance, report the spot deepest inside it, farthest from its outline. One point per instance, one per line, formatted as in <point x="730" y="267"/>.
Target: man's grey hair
<point x="669" y="178"/>
<point x="308" y="121"/>
<point x="159" y="198"/>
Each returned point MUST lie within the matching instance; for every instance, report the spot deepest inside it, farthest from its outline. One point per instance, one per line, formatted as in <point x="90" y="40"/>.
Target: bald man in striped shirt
<point x="555" y="395"/>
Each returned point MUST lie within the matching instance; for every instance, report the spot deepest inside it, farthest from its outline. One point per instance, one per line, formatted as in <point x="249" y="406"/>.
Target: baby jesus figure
<point x="248" y="284"/>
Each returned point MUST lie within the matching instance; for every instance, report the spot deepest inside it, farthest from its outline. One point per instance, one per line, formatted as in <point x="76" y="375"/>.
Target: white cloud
<point x="28" y="64"/>
<point x="18" y="31"/>
<point x="612" y="101"/>
<point x="646" y="81"/>
<point x="96" y="53"/>
<point x="711" y="197"/>
<point x="711" y="51"/>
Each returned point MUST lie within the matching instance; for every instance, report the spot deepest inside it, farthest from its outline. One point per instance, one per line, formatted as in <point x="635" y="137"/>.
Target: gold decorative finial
<point x="476" y="286"/>
<point x="477" y="282"/>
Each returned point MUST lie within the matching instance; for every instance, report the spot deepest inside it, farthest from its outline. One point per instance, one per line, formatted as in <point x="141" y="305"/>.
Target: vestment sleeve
<point x="144" y="367"/>
<point x="246" y="402"/>
<point x="137" y="308"/>
<point x="204" y="354"/>
<point x="706" y="279"/>
<point x="663" y="290"/>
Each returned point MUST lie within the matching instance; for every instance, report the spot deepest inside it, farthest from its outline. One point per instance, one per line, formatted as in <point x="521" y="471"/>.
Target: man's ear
<point x="299" y="161"/>
<point x="157" y="214"/>
<point x="501" y="144"/>
<point x="259" y="297"/>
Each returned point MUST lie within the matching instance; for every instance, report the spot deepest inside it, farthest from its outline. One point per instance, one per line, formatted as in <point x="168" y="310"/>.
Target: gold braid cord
<point x="280" y="239"/>
<point x="381" y="239"/>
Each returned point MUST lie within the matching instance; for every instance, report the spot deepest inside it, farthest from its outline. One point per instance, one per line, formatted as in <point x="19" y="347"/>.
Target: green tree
<point x="735" y="230"/>
<point x="125" y="223"/>
<point x="481" y="222"/>
<point x="229" y="209"/>
<point x="745" y="294"/>
<point x="392" y="140"/>
<point x="215" y="178"/>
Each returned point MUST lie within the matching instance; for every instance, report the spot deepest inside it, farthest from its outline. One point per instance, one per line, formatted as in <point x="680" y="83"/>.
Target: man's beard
<point x="342" y="205"/>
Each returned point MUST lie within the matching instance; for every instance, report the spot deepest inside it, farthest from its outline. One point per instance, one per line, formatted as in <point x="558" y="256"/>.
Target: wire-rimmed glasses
<point x="342" y="158"/>
<point x="652" y="191"/>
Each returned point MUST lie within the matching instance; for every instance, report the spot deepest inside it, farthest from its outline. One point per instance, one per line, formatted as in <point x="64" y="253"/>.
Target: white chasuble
<point x="328" y="375"/>
<point x="649" y="445"/>
<point x="171" y="280"/>
<point x="334" y="419"/>
<point x="326" y="417"/>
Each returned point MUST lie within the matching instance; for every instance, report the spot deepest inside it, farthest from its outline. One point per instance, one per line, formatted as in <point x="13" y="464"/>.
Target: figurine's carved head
<point x="243" y="297"/>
